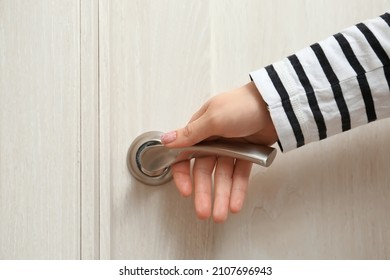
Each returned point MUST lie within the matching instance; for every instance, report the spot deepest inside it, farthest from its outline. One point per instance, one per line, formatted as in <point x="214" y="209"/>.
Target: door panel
<point x="160" y="62"/>
<point x="79" y="80"/>
<point x="325" y="200"/>
<point x="159" y="67"/>
<point x="39" y="130"/>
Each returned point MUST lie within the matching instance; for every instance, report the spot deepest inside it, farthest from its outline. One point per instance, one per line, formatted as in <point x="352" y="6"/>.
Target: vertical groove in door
<point x="104" y="131"/>
<point x="89" y="130"/>
<point x="80" y="142"/>
<point x="98" y="128"/>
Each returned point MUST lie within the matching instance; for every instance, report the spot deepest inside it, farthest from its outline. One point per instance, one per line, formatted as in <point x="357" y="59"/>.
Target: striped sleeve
<point x="330" y="87"/>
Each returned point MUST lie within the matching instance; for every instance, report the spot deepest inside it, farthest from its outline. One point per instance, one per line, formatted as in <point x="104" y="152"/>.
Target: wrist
<point x="267" y="127"/>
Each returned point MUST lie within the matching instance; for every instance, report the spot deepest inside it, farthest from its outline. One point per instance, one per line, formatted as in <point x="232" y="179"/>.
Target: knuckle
<point x="188" y="130"/>
<point x="214" y="120"/>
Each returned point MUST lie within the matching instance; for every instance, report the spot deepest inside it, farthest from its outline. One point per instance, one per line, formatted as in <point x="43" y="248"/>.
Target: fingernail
<point x="168" y="137"/>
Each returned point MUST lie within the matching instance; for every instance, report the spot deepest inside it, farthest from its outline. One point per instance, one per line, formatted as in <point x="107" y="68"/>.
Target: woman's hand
<point x="238" y="115"/>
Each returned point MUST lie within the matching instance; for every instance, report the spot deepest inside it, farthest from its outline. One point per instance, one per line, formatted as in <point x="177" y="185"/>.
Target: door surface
<point x="79" y="80"/>
<point x="39" y="130"/>
<point x="161" y="61"/>
<point x="49" y="190"/>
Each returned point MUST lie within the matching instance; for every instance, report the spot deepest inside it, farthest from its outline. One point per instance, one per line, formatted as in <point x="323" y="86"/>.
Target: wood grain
<point x="325" y="200"/>
<point x="159" y="74"/>
<point x="79" y="80"/>
<point x="39" y="130"/>
<point x="104" y="131"/>
<point x="89" y="137"/>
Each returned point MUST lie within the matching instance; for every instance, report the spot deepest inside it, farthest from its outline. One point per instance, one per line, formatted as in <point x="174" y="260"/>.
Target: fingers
<point x="182" y="177"/>
<point x="230" y="186"/>
<point x="192" y="133"/>
<point x="200" y="112"/>
<point x="231" y="179"/>
<point x="241" y="174"/>
<point x="203" y="170"/>
<point x="195" y="131"/>
<point x="223" y="180"/>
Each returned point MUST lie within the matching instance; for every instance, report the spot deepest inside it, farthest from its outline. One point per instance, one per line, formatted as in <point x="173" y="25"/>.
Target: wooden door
<point x="39" y="130"/>
<point x="79" y="80"/>
<point x="49" y="160"/>
<point x="160" y="61"/>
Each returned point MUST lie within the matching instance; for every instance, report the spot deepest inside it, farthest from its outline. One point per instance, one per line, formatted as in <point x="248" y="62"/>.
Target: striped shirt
<point x="330" y="87"/>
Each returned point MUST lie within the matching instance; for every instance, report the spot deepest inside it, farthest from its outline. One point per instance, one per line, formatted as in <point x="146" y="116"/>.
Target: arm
<point x="327" y="88"/>
<point x="330" y="87"/>
<point x="240" y="115"/>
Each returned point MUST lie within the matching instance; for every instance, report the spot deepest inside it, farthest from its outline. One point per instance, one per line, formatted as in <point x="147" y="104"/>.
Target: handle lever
<point x="149" y="161"/>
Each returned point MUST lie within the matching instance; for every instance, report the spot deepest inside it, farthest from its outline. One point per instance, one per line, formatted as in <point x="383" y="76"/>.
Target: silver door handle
<point x="149" y="161"/>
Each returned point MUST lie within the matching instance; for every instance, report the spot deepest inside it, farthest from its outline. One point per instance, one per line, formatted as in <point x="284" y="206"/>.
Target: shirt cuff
<point x="280" y="107"/>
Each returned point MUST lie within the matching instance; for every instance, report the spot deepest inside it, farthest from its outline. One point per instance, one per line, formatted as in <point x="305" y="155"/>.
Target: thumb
<point x="192" y="133"/>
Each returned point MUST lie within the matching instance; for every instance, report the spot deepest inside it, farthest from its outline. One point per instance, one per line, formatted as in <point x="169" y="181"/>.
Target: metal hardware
<point x="149" y="161"/>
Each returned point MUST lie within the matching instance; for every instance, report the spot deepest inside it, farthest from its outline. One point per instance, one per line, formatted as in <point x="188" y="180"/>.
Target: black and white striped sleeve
<point x="330" y="87"/>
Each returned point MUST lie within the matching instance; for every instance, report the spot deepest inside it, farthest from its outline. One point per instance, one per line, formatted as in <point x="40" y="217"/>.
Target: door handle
<point x="149" y="161"/>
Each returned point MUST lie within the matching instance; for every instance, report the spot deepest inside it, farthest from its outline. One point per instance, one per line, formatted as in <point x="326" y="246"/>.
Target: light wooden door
<point x="49" y="129"/>
<point x="39" y="130"/>
<point x="160" y="60"/>
<point x="79" y="80"/>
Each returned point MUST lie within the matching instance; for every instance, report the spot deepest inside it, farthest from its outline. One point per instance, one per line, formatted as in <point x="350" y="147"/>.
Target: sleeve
<point x="330" y="87"/>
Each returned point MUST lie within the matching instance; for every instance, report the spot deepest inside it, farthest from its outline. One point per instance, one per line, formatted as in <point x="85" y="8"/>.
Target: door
<point x="39" y="130"/>
<point x="79" y="80"/>
<point x="160" y="60"/>
<point x="49" y="183"/>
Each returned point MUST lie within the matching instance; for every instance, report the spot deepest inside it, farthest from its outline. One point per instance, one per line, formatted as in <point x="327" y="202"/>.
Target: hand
<point x="237" y="115"/>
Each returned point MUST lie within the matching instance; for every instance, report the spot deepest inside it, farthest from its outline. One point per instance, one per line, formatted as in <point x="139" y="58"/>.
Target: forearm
<point x="330" y="87"/>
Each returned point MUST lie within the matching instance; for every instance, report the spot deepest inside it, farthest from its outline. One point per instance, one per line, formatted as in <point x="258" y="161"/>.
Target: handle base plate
<point x="134" y="165"/>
